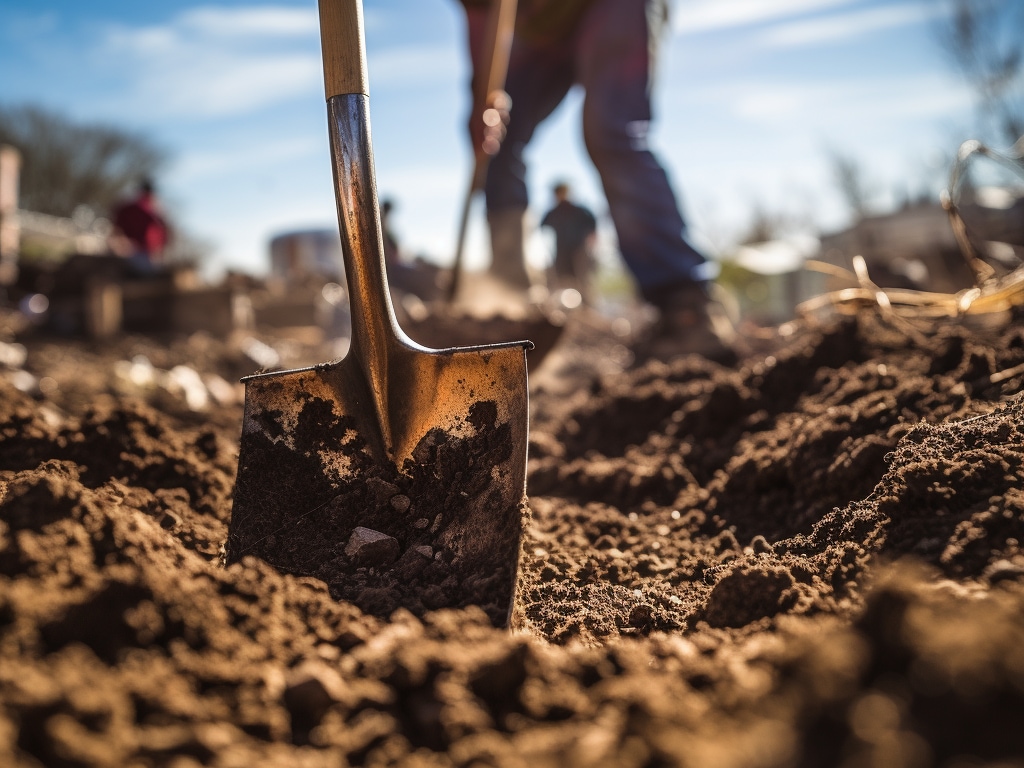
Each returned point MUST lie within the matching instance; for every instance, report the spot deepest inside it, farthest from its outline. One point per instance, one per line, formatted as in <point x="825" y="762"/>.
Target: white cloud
<point x="709" y="15"/>
<point x="846" y="25"/>
<point x="771" y="103"/>
<point x="876" y="100"/>
<point x="215" y="62"/>
<point x="267" y="21"/>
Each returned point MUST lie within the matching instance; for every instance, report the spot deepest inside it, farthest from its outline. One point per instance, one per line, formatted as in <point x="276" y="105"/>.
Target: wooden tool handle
<point x="343" y="47"/>
<point x="497" y="46"/>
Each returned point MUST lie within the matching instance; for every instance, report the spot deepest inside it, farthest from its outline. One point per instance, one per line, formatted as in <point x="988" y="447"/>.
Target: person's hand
<point x="488" y="123"/>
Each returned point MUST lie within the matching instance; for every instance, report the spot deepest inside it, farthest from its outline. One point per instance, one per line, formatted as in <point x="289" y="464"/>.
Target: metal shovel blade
<point x="397" y="475"/>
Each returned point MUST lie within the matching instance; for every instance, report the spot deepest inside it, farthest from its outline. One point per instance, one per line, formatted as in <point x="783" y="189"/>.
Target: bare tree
<point x="985" y="40"/>
<point x="67" y="164"/>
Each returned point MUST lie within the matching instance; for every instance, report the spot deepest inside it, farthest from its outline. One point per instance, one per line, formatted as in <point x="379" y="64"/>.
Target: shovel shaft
<point x="374" y="327"/>
<point x="344" y="49"/>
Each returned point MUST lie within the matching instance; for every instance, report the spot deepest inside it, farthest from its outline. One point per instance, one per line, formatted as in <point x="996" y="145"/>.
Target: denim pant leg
<point x="615" y="55"/>
<point x="539" y="77"/>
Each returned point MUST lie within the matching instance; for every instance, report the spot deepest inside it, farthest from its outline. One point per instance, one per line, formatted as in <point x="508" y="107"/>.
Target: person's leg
<point x="538" y="79"/>
<point x="583" y="270"/>
<point x="616" y="52"/>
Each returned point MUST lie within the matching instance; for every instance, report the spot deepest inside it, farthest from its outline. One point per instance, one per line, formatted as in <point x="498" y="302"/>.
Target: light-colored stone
<point x="371" y="548"/>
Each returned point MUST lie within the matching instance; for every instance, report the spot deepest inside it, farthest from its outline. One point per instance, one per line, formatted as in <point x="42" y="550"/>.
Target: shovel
<point x="397" y="474"/>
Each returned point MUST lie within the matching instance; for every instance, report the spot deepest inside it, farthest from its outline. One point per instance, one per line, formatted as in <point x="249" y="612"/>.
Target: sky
<point x="753" y="98"/>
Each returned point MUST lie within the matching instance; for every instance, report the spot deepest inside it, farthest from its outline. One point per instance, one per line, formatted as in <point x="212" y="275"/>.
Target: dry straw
<point x="914" y="312"/>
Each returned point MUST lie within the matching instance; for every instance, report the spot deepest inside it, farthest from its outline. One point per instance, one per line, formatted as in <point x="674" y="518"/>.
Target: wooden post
<point x="10" y="229"/>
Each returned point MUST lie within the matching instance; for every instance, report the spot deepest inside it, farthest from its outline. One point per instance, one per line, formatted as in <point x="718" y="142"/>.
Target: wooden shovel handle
<point x="343" y="46"/>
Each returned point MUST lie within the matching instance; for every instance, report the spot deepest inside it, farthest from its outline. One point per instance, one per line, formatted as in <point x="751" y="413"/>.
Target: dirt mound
<point x="811" y="559"/>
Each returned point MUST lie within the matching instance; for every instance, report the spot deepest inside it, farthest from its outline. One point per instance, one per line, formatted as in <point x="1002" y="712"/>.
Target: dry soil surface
<point x="811" y="559"/>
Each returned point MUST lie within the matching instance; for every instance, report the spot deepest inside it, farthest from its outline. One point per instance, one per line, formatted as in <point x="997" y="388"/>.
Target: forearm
<point x="489" y="112"/>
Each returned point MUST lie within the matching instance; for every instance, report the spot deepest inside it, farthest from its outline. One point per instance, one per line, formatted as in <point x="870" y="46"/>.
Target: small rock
<point x="401" y="503"/>
<point x="381" y="490"/>
<point x="412" y="562"/>
<point x="371" y="548"/>
<point x="421" y="523"/>
<point x="759" y="544"/>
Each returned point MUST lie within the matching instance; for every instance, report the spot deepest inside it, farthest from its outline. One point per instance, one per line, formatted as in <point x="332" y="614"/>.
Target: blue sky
<point x="752" y="95"/>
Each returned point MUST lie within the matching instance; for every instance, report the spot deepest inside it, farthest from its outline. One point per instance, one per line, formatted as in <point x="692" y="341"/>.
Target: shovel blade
<point x="421" y="512"/>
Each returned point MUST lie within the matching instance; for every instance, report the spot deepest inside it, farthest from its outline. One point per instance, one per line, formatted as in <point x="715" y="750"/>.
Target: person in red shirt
<point x="141" y="232"/>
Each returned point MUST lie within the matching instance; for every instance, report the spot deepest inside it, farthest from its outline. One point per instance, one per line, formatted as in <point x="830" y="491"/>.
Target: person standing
<point x="392" y="253"/>
<point x="610" y="48"/>
<point x="574" y="228"/>
<point x="141" y="233"/>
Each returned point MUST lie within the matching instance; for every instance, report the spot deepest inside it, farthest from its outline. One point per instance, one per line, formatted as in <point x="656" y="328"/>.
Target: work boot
<point x="508" y="247"/>
<point x="689" y="323"/>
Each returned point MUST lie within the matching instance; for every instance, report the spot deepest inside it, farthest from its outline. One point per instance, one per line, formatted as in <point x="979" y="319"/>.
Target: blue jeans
<point x="611" y="54"/>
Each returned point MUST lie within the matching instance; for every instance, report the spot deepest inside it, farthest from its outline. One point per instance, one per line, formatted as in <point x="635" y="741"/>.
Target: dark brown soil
<point x="381" y="537"/>
<point x="812" y="559"/>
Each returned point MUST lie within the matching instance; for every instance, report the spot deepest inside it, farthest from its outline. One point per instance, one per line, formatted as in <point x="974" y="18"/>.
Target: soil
<point x="322" y="502"/>
<point x="812" y="558"/>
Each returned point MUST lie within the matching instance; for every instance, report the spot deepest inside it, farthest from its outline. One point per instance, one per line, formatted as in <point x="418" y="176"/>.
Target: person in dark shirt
<point x="140" y="231"/>
<point x="609" y="47"/>
<point x="574" y="228"/>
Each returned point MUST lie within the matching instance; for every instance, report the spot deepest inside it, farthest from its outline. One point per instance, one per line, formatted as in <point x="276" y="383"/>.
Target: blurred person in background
<point x="392" y="253"/>
<point x="574" y="228"/>
<point x="405" y="276"/>
<point x="141" y="233"/>
<point x="609" y="47"/>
